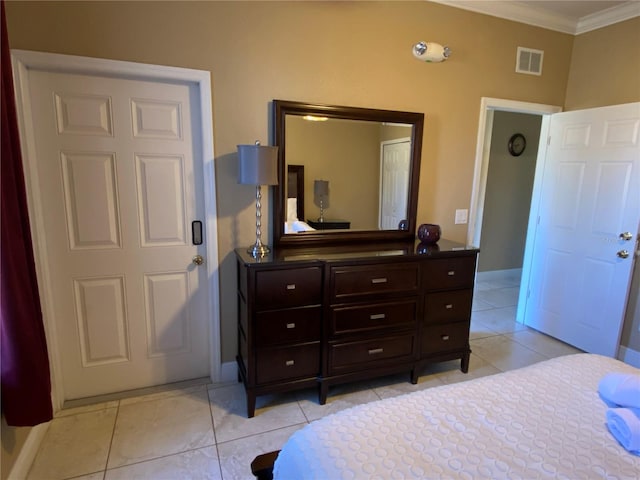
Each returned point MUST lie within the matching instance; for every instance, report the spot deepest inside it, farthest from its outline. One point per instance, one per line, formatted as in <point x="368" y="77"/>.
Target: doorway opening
<point x="509" y="186"/>
<point x="505" y="186"/>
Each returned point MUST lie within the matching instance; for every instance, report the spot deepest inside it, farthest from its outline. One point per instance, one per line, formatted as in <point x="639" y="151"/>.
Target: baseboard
<point x="499" y="274"/>
<point x="229" y="372"/>
<point x="630" y="356"/>
<point x="28" y="452"/>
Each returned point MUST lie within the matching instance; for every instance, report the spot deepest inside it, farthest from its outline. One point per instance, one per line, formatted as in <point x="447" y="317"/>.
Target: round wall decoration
<point x="517" y="144"/>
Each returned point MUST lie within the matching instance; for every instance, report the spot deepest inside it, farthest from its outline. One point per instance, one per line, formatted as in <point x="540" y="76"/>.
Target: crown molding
<point x="537" y="17"/>
<point x="608" y="17"/>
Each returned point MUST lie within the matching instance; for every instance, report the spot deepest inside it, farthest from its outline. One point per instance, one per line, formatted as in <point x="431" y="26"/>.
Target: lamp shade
<point x="321" y="188"/>
<point x="257" y="165"/>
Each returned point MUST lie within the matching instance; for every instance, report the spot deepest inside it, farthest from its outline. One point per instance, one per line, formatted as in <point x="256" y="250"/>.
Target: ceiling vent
<point x="529" y="61"/>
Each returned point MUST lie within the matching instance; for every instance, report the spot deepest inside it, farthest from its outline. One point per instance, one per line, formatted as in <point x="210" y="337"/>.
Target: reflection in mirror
<point x="295" y="191"/>
<point x="365" y="161"/>
<point x="372" y="156"/>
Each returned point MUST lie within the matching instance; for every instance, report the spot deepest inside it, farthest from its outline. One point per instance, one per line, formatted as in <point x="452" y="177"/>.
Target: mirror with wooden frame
<point x="347" y="174"/>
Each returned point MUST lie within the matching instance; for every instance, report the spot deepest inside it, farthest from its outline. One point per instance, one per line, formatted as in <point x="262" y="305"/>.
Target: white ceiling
<point x="568" y="16"/>
<point x="573" y="9"/>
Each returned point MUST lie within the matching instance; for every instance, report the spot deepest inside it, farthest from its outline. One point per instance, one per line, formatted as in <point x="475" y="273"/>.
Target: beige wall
<point x="345" y="53"/>
<point x="605" y="67"/>
<point x="394" y="132"/>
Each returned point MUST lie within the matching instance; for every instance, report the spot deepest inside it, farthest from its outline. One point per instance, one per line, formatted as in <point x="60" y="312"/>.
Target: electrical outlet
<point x="462" y="216"/>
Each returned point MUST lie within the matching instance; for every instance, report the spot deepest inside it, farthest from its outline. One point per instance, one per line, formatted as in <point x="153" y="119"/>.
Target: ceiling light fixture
<point x="314" y="118"/>
<point x="431" y="52"/>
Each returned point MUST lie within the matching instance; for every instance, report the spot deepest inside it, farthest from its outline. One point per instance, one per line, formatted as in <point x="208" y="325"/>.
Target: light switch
<point x="461" y="216"/>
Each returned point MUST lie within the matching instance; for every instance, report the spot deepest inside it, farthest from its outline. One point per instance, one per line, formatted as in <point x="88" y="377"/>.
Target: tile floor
<point x="201" y="431"/>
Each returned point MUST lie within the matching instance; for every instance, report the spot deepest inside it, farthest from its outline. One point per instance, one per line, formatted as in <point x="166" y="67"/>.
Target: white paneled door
<point x="395" y="164"/>
<point x="120" y="187"/>
<point x="587" y="225"/>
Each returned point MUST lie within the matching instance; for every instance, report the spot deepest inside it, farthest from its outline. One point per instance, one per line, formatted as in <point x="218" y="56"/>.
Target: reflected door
<point x="587" y="225"/>
<point x="116" y="170"/>
<point x="395" y="165"/>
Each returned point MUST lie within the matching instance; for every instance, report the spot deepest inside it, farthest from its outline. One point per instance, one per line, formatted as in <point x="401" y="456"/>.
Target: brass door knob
<point x="623" y="254"/>
<point x="198" y="260"/>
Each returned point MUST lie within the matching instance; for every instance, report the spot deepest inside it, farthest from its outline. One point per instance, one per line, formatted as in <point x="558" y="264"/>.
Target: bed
<point x="542" y="421"/>
<point x="293" y="224"/>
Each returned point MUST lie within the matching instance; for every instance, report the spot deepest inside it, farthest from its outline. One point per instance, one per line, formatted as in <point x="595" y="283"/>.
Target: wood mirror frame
<point x="282" y="108"/>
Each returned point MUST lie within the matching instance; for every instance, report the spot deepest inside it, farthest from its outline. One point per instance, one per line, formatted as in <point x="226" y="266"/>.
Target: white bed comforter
<point x="542" y="421"/>
<point x="297" y="226"/>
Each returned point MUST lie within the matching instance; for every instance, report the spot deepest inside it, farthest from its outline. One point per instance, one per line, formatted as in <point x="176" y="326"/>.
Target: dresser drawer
<point x="448" y="306"/>
<point x="294" y="325"/>
<point x="446" y="337"/>
<point x="445" y="273"/>
<point x="374" y="316"/>
<point x="288" y="288"/>
<point x="365" y="353"/>
<point x="352" y="281"/>
<point x="287" y="363"/>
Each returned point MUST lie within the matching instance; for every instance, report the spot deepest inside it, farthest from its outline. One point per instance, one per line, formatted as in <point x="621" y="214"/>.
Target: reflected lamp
<point x="321" y="195"/>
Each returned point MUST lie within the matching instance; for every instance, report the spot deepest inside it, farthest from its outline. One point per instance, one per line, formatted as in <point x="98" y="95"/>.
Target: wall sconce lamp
<point x="321" y="195"/>
<point x="258" y="165"/>
<point x="431" y="52"/>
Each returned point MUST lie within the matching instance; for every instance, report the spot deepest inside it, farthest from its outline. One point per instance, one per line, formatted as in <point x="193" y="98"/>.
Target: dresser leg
<point x="414" y="375"/>
<point x="323" y="391"/>
<point x="251" y="404"/>
<point x="464" y="363"/>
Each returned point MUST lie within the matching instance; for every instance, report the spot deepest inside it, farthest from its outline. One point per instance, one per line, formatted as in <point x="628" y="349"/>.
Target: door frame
<point x="488" y="106"/>
<point x="23" y="62"/>
<point x="381" y="170"/>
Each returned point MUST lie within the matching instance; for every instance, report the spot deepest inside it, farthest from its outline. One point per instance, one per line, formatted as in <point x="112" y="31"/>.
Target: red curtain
<point x="26" y="383"/>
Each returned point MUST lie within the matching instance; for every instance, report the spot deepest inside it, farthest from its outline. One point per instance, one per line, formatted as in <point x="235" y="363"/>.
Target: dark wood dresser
<point x="330" y="224"/>
<point x="330" y="315"/>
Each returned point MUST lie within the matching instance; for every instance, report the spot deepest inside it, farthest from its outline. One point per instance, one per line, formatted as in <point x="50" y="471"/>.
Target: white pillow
<point x="301" y="227"/>
<point x="292" y="209"/>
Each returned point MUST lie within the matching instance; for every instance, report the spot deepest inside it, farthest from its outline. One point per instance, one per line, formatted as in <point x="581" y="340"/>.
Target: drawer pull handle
<point x="291" y="325"/>
<point x="377" y="316"/>
<point x="451" y="273"/>
<point x="373" y="351"/>
<point x="379" y="280"/>
<point x="445" y="337"/>
<point x="291" y="286"/>
<point x="449" y="306"/>
<point x="289" y="363"/>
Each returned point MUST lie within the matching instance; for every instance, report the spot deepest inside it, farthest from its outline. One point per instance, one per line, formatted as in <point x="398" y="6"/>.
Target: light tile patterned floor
<point x="201" y="432"/>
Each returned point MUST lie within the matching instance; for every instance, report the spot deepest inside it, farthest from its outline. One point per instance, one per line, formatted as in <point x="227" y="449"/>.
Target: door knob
<point x="626" y="236"/>
<point x="197" y="260"/>
<point x="623" y="254"/>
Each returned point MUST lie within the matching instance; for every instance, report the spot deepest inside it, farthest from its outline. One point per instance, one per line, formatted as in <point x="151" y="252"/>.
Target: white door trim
<point x="381" y="174"/>
<point x="24" y="61"/>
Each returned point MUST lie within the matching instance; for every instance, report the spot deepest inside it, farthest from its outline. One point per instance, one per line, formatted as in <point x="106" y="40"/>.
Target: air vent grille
<point x="529" y="61"/>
